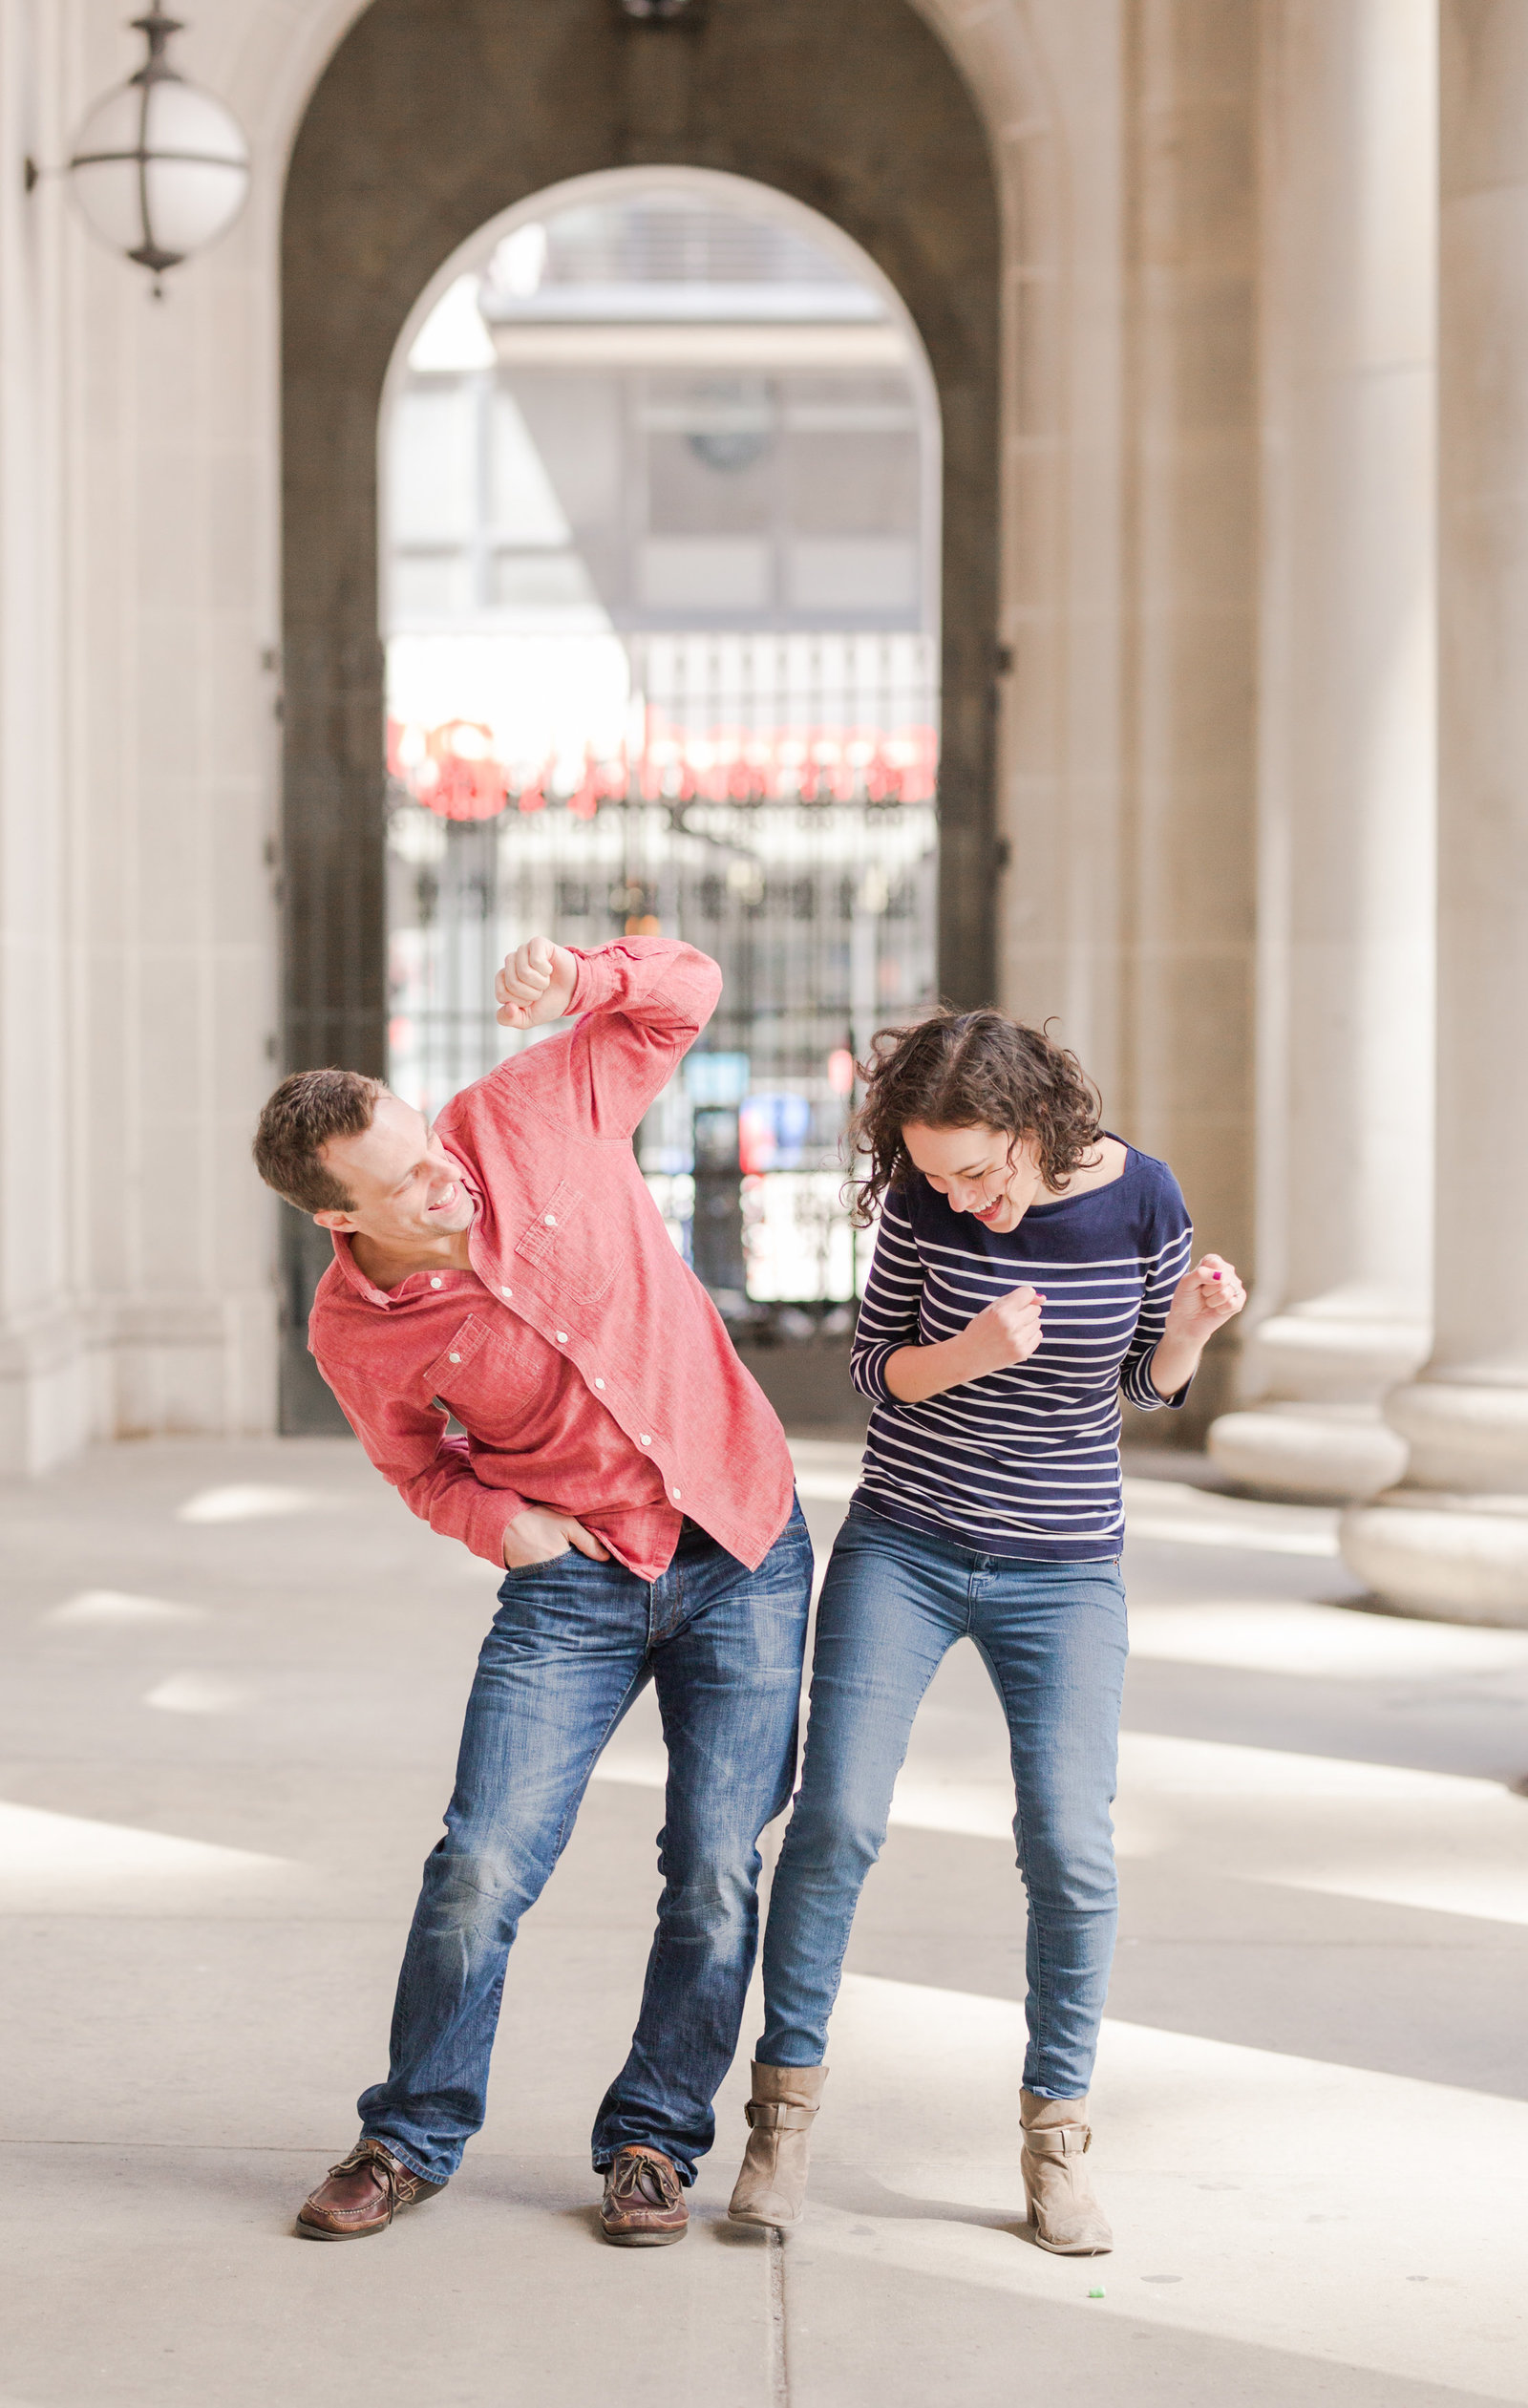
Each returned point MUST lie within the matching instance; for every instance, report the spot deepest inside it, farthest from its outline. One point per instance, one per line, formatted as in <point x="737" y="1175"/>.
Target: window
<point x="660" y="474"/>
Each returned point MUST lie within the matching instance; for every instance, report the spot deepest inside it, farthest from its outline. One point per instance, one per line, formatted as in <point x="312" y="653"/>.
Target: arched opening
<point x="851" y="108"/>
<point x="659" y="506"/>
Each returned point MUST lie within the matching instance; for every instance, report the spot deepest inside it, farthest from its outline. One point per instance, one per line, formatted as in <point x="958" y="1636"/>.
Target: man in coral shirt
<point x="621" y="1469"/>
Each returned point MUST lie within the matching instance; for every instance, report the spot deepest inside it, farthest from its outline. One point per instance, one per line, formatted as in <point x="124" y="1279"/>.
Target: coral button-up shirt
<point x="582" y="1357"/>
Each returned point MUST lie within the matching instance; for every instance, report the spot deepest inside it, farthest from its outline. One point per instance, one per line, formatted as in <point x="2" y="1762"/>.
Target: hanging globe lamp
<point x="159" y="168"/>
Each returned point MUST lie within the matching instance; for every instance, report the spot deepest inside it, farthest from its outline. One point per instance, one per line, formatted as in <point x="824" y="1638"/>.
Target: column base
<point x="1464" y="1435"/>
<point x="1447" y="1557"/>
<point x="45" y="1402"/>
<point x="1326" y="1452"/>
<point x="1327" y="1353"/>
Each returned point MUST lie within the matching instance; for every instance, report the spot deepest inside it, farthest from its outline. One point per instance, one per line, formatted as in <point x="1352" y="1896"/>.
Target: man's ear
<point x="334" y="1219"/>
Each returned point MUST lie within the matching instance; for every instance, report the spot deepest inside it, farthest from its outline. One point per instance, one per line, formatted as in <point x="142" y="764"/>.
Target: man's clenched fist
<point x="536" y="983"/>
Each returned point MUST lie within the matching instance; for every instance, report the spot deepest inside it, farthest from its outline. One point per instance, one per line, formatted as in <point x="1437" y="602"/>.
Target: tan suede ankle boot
<point x="772" y="2187"/>
<point x="1067" y="2218"/>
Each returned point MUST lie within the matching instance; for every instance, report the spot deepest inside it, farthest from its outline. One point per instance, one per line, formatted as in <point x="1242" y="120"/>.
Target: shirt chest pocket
<point x="564" y="1241"/>
<point x="469" y="1377"/>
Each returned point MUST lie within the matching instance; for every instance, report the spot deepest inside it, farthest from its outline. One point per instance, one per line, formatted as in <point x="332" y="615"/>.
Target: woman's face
<point x="982" y="1171"/>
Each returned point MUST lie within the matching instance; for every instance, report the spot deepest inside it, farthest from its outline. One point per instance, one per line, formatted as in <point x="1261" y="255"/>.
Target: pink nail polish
<point x="1217" y="1275"/>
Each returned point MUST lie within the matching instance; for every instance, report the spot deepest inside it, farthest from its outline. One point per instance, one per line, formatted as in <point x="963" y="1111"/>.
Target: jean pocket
<point x="543" y="1564"/>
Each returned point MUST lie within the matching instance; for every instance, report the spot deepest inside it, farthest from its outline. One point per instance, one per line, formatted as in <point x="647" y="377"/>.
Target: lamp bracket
<point x="156" y="29"/>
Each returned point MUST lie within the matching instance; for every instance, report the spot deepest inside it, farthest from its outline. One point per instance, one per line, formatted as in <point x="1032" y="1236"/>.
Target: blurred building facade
<point x="1139" y="519"/>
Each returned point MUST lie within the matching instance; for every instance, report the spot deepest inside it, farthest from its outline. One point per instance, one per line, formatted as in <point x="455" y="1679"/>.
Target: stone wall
<point x="140" y="635"/>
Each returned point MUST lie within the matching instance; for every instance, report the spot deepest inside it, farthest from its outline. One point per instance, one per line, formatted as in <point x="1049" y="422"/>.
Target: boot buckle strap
<point x="776" y="2115"/>
<point x="1059" y="2139"/>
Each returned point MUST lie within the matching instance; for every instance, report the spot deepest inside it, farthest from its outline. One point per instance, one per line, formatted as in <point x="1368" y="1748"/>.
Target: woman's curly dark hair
<point x="963" y="1069"/>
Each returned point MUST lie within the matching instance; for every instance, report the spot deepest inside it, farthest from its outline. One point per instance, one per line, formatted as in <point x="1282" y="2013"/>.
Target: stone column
<point x="1182" y="1084"/>
<point x="1347" y="745"/>
<point x="1453" y="1541"/>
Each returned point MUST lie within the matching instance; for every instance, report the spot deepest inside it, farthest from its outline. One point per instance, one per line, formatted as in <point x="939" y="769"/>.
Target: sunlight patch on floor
<point x="196" y="1692"/>
<point x="1172" y="1511"/>
<point x="250" y="1500"/>
<point x="1217" y="1768"/>
<point x="1439" y="1885"/>
<point x="49" y="1859"/>
<point x="1395" y="2211"/>
<point x="116" y="1610"/>
<point x="1322" y="1642"/>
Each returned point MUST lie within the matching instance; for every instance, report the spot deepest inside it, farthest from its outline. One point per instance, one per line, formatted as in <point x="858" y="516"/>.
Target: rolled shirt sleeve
<point x="642" y="1003"/>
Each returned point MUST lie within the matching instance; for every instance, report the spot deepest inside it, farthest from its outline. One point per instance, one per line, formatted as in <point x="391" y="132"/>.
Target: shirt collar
<point x="350" y="1271"/>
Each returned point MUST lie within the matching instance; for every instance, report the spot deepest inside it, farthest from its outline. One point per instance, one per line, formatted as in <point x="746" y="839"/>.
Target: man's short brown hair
<point x="306" y="1111"/>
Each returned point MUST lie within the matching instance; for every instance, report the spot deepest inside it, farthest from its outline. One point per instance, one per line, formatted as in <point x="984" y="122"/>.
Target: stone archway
<point x="432" y="116"/>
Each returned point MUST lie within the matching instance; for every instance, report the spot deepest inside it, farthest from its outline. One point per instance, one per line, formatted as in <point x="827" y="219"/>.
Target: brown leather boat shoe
<point x="643" y="2205"/>
<point x="361" y="2195"/>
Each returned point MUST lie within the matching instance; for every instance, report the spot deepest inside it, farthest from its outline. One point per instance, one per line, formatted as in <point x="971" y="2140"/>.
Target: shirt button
<point x="551" y="1220"/>
<point x="674" y="1494"/>
<point x="456" y="1358"/>
<point x="561" y="1337"/>
<point x="435" y="1283"/>
<point x="599" y="1383"/>
<point x="643" y="1437"/>
<point x="507" y="1291"/>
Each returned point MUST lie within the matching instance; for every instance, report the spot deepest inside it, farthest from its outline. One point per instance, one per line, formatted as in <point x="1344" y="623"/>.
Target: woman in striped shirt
<point x="1028" y="1266"/>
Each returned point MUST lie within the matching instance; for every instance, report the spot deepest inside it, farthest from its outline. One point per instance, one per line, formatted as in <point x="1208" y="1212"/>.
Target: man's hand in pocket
<point x="536" y="1537"/>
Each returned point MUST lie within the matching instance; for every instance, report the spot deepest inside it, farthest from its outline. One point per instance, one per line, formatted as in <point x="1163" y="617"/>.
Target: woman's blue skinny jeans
<point x="1052" y="1638"/>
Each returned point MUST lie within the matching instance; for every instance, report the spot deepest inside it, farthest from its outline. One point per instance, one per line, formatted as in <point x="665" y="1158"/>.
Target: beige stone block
<point x="233" y="535"/>
<point x="1202" y="50"/>
<point x="170" y="519"/>
<point x="1035" y="345"/>
<point x="261" y="41"/>
<point x="175" y="861"/>
<point x="1197" y="886"/>
<point x="172" y="1015"/>
<point x="1484" y="418"/>
<point x="1034" y="173"/>
<point x="1197" y="188"/>
<point x="1483" y="68"/>
<point x="1198" y="706"/>
<point x="244" y="987"/>
<point x="242" y="740"/>
<point x="241" y="913"/>
<point x="1208" y="496"/>
<point x="163" y="370"/>
<point x="166" y="656"/>
<point x="1199" y="356"/>
<point x="1031" y="701"/>
<point x="1032" y="529"/>
<point x="1203" y="1010"/>
<point x="167" y="1391"/>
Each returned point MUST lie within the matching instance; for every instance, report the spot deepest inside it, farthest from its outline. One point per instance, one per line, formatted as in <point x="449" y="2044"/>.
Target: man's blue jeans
<point x="1052" y="1638"/>
<point x="572" y="1644"/>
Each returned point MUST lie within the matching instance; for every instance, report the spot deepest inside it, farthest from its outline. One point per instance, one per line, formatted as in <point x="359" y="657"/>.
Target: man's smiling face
<point x="406" y="1189"/>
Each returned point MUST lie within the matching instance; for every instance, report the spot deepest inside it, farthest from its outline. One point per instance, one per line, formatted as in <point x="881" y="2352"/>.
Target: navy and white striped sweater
<point x="1026" y="1460"/>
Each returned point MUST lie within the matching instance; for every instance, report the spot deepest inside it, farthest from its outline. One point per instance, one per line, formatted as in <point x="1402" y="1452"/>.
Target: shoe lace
<point x="372" y="2153"/>
<point x="652" y="2180"/>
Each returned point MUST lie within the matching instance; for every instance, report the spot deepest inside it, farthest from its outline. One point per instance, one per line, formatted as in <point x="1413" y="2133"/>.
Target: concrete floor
<point x="234" y="1682"/>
